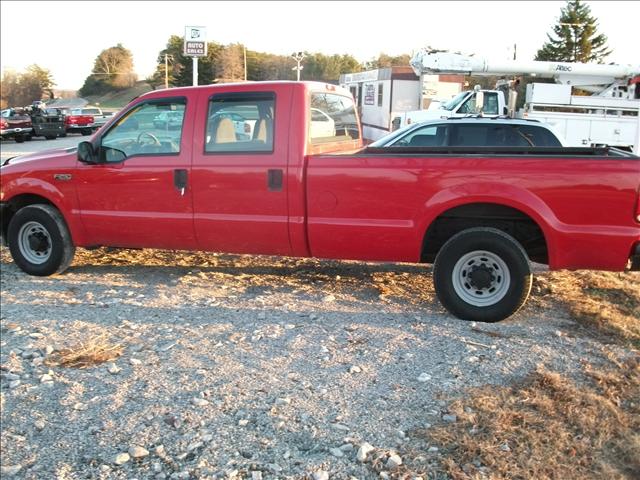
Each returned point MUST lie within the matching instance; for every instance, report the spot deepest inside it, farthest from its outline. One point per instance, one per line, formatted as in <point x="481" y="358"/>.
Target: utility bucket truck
<point x="610" y="116"/>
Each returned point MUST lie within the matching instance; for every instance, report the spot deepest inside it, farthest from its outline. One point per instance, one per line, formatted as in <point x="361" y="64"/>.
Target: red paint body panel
<point x="346" y="206"/>
<point x="379" y="207"/>
<point x="78" y="120"/>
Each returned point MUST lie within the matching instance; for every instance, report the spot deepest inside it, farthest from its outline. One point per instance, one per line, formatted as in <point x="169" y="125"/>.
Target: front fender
<point x="62" y="196"/>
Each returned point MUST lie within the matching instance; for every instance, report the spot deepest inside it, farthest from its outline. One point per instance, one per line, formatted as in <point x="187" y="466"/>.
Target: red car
<point x="480" y="214"/>
<point x="15" y="124"/>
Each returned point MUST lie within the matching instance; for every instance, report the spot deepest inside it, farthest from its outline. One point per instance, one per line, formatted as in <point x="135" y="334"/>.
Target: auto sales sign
<point x="195" y="41"/>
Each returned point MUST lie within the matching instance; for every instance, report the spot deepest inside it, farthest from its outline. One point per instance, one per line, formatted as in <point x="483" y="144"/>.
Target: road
<point x="9" y="148"/>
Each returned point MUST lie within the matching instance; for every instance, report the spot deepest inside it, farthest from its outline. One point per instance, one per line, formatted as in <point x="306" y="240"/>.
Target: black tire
<point x="85" y="132"/>
<point x="50" y="137"/>
<point x="482" y="274"/>
<point x="44" y="221"/>
<point x="19" y="139"/>
<point x="63" y="134"/>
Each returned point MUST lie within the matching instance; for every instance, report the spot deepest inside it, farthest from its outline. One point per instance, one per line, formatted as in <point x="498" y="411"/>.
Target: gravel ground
<point x="248" y="367"/>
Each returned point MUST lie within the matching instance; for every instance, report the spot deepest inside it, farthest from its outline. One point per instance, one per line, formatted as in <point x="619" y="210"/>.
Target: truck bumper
<point x="12" y="132"/>
<point x="634" y="260"/>
<point x="77" y="128"/>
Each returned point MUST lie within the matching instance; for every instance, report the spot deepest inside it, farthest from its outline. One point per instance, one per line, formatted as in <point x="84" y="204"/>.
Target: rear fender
<point x="499" y="194"/>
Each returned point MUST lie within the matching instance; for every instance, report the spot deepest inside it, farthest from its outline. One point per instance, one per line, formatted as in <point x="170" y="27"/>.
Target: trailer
<point x="383" y="95"/>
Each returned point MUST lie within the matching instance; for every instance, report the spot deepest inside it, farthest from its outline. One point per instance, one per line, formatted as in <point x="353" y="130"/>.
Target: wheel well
<point x="507" y="219"/>
<point x="15" y="204"/>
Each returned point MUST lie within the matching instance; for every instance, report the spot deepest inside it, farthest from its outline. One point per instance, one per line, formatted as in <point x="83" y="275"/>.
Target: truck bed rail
<point x="505" y="151"/>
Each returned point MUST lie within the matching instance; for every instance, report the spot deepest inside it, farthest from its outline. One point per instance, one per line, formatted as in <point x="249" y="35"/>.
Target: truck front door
<point x="139" y="194"/>
<point x="240" y="172"/>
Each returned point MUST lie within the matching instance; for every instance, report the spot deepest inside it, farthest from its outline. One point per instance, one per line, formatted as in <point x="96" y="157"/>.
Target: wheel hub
<point x="481" y="277"/>
<point x="34" y="242"/>
<point x="38" y="242"/>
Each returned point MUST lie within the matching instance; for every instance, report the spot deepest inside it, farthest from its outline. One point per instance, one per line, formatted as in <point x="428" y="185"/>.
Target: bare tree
<point x="231" y="63"/>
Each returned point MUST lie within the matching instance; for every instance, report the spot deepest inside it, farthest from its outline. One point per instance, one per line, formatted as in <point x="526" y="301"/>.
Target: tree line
<point x="573" y="39"/>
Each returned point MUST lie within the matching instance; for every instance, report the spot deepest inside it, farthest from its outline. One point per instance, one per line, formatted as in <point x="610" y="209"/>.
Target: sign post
<point x="195" y="45"/>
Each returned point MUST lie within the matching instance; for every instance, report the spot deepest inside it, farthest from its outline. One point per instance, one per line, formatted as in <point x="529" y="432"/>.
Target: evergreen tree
<point x="574" y="37"/>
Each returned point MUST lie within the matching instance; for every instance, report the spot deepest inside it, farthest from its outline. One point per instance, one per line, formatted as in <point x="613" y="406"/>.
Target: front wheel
<point x="39" y="240"/>
<point x="482" y="274"/>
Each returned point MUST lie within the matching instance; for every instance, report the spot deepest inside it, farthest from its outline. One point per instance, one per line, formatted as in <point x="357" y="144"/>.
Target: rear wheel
<point x="39" y="240"/>
<point x="50" y="137"/>
<point x="86" y="131"/>
<point x="482" y="274"/>
<point x="19" y="139"/>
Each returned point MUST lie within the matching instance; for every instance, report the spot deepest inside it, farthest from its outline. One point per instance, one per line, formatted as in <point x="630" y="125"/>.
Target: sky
<point x="66" y="37"/>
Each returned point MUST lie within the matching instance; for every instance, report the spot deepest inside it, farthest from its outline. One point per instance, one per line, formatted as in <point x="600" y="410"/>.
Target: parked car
<point x="48" y="122"/>
<point x="322" y="125"/>
<point x="76" y="121"/>
<point x="15" y="124"/>
<point x="473" y="132"/>
<point x="169" y="120"/>
<point x="99" y="117"/>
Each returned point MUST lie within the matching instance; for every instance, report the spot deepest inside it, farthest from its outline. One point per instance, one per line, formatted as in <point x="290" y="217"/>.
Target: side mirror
<point x="86" y="153"/>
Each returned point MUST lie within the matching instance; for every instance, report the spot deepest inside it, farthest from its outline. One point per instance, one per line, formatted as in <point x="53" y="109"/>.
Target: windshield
<point x="390" y="138"/>
<point x="453" y="103"/>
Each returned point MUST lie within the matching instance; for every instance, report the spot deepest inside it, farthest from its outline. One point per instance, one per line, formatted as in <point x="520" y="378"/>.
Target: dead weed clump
<point x="608" y="302"/>
<point x="96" y="350"/>
<point x="548" y="427"/>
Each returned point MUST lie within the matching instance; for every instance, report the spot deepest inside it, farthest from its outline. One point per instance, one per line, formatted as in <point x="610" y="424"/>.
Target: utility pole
<point x="245" y="62"/>
<point x="298" y="56"/>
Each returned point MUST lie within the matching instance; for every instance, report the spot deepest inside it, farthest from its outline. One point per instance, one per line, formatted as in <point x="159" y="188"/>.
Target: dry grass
<point x="548" y="427"/>
<point x="96" y="350"/>
<point x="606" y="302"/>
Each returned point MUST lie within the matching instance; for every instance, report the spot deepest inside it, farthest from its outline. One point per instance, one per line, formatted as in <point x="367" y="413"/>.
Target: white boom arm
<point x="577" y="74"/>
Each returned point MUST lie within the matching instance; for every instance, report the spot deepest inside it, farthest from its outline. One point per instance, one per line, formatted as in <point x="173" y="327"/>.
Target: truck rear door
<point x="239" y="171"/>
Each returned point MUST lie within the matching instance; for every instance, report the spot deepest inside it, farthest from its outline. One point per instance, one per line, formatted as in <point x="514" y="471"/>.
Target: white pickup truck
<point x="583" y="121"/>
<point x="99" y="117"/>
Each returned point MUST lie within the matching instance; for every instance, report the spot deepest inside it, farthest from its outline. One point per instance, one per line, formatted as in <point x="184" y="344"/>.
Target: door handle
<point x="180" y="180"/>
<point x="274" y="180"/>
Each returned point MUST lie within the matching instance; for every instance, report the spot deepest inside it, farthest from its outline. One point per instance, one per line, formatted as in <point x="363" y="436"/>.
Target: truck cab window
<point x="332" y="118"/>
<point x="240" y="123"/>
<point x="149" y="129"/>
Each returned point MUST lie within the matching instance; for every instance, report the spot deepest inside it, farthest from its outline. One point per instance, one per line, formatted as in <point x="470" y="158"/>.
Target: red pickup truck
<point x="301" y="184"/>
<point x="75" y="121"/>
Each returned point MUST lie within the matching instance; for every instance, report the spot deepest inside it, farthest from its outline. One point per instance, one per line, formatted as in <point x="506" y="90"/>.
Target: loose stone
<point x="121" y="458"/>
<point x="363" y="451"/>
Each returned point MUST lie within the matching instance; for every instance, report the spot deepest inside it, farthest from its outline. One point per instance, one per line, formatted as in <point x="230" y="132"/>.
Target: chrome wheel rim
<point x="481" y="278"/>
<point x="34" y="243"/>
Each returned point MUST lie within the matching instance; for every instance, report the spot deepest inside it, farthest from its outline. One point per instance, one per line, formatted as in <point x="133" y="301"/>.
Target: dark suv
<point x="473" y="132"/>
